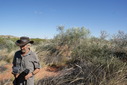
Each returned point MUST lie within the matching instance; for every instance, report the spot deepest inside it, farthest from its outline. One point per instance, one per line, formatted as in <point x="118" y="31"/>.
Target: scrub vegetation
<point x="81" y="58"/>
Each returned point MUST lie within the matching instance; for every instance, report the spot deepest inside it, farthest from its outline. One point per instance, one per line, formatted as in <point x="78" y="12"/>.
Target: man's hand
<point x="16" y="75"/>
<point x="28" y="76"/>
<point x="32" y="74"/>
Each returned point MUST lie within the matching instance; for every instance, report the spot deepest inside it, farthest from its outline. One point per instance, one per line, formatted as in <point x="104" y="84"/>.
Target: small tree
<point x="60" y="48"/>
<point x="103" y="35"/>
<point x="120" y="39"/>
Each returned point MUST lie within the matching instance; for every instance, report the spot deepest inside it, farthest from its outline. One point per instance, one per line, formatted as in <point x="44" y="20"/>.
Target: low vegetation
<point x="86" y="60"/>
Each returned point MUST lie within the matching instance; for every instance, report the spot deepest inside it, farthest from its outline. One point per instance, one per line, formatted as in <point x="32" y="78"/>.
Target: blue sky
<point x="40" y="18"/>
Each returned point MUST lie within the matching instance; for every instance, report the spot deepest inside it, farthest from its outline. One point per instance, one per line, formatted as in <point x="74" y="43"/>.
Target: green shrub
<point x="38" y="41"/>
<point x="91" y="60"/>
<point x="59" y="49"/>
<point x="7" y="43"/>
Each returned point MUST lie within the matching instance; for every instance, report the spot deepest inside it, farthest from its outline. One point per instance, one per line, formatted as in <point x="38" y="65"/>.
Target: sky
<point x="40" y="18"/>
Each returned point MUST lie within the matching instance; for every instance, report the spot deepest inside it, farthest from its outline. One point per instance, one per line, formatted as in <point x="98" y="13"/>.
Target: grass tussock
<point x="87" y="73"/>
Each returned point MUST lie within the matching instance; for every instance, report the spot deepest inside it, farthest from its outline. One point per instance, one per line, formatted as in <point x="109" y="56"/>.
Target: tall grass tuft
<point x="88" y="73"/>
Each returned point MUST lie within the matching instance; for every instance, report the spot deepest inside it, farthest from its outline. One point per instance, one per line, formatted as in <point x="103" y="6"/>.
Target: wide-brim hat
<point x="23" y="41"/>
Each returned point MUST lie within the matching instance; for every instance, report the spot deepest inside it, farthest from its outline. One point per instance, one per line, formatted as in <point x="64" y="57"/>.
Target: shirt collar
<point x="29" y="53"/>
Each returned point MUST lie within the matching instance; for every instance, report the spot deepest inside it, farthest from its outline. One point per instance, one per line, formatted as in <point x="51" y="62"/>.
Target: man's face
<point x="24" y="48"/>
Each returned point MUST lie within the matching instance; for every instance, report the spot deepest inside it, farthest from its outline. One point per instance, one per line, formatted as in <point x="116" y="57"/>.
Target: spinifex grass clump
<point x="88" y="73"/>
<point x="7" y="48"/>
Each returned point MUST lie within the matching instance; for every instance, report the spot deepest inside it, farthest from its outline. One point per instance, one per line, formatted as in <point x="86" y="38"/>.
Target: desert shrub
<point x="119" y="45"/>
<point x="90" y="49"/>
<point x="91" y="60"/>
<point x="88" y="73"/>
<point x="7" y="48"/>
<point x="59" y="49"/>
<point x="51" y="54"/>
<point x="10" y="45"/>
<point x="38" y="41"/>
<point x="103" y="35"/>
<point x="2" y="43"/>
<point x="120" y="39"/>
<point x="14" y="39"/>
<point x="72" y="36"/>
<point x="7" y="43"/>
<point x="6" y="56"/>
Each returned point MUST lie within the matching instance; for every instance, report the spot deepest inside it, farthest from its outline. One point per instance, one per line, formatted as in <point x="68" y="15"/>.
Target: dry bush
<point x="7" y="56"/>
<point x="92" y="60"/>
<point x="87" y="73"/>
<point x="119" y="45"/>
<point x="58" y="51"/>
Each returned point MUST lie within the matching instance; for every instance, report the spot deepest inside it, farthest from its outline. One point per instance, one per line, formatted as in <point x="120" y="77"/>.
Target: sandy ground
<point x="44" y="72"/>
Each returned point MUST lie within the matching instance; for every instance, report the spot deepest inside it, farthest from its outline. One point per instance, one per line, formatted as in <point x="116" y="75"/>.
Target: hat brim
<point x="19" y="43"/>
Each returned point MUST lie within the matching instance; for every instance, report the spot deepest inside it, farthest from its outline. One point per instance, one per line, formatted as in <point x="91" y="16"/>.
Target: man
<point x="25" y="63"/>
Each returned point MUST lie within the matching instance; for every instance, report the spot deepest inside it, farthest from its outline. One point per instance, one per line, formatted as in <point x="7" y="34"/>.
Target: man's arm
<point x="14" y="66"/>
<point x="35" y="71"/>
<point x="32" y="73"/>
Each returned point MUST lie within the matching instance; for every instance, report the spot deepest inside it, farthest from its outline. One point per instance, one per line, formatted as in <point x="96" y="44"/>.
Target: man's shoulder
<point x="18" y="52"/>
<point x="33" y="53"/>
